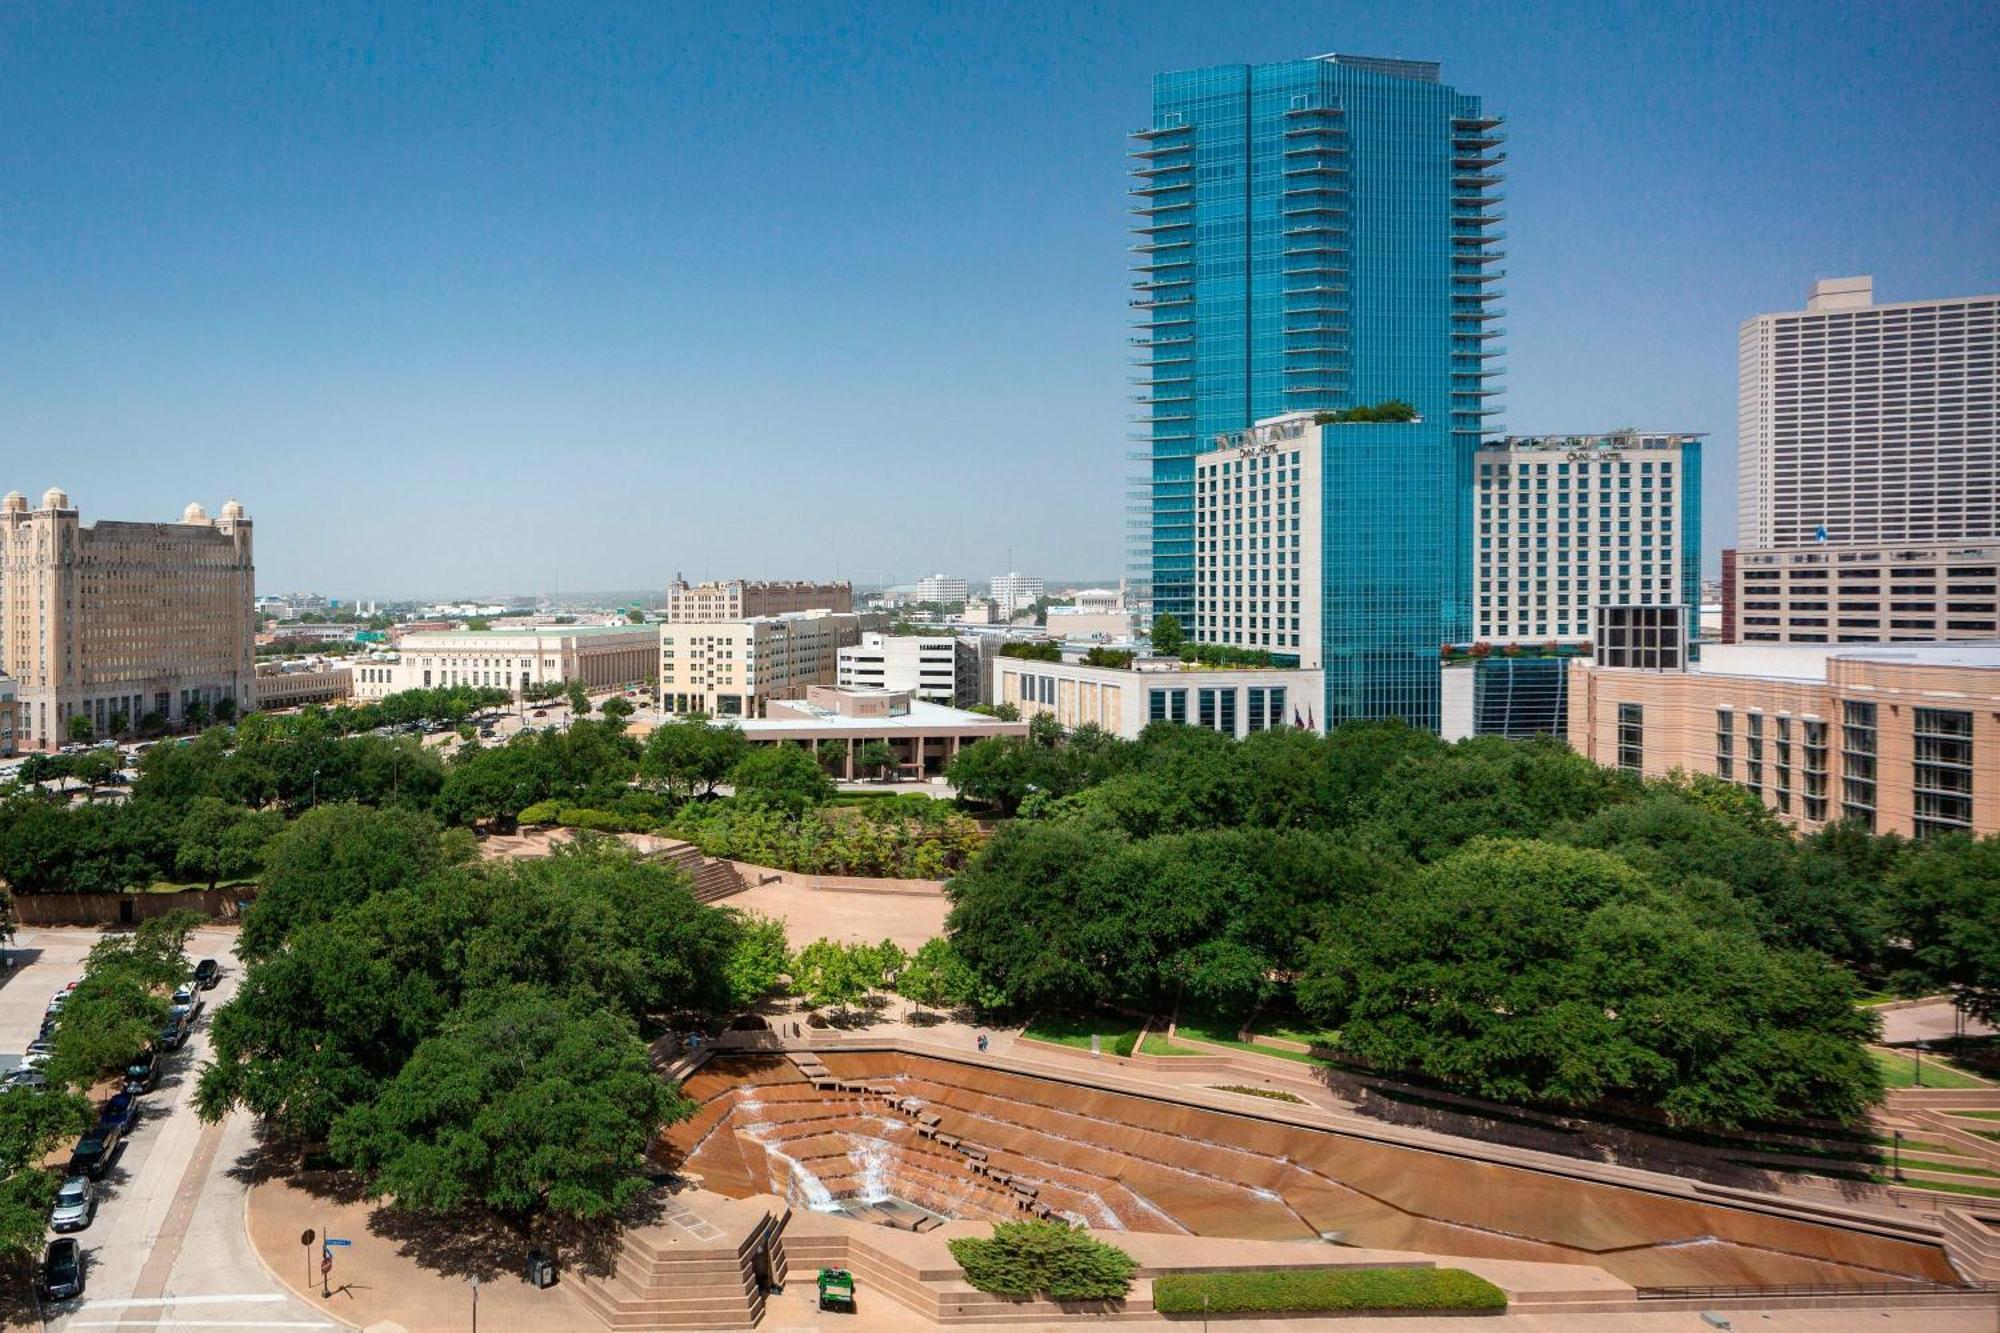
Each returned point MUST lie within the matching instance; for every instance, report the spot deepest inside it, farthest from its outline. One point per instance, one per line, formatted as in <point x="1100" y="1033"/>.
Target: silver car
<point x="76" y="1203"/>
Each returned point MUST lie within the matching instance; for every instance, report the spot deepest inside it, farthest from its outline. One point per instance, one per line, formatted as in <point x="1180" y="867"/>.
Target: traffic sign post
<point x="325" y="1269"/>
<point x="306" y="1240"/>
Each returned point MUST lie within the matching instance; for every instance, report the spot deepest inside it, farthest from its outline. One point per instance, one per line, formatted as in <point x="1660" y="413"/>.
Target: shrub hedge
<point x="1326" y="1289"/>
<point x="1045" y="1258"/>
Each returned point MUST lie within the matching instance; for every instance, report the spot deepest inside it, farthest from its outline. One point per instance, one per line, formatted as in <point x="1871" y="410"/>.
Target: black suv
<point x="62" y="1269"/>
<point x="93" y="1152"/>
<point x="206" y="973"/>
<point x="142" y="1073"/>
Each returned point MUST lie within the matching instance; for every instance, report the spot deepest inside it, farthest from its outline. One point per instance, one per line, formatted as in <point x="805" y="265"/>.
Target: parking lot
<point x="167" y="1248"/>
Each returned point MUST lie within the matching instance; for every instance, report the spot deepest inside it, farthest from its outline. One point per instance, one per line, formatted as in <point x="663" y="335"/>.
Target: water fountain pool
<point x="1124" y="1161"/>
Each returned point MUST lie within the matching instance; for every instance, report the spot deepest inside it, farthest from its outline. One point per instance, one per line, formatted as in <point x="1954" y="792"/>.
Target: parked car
<point x="93" y="1152"/>
<point x="62" y="1269"/>
<point x="541" y="712"/>
<point x="207" y="972"/>
<point x="121" y="1111"/>
<point x="27" y="1076"/>
<point x="76" y="1204"/>
<point x="188" y="995"/>
<point x="143" y="1073"/>
<point x="174" y="1035"/>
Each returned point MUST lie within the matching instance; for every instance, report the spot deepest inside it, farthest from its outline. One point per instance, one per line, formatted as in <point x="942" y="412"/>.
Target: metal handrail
<point x="1830" y="1289"/>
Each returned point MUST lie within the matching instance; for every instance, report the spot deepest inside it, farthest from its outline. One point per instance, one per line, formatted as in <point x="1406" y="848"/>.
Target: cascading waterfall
<point x="872" y="1157"/>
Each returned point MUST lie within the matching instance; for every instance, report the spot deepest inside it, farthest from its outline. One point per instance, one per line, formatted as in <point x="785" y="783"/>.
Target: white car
<point x="76" y="1203"/>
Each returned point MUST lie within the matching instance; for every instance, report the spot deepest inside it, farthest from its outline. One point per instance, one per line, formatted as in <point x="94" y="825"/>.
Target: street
<point x="167" y="1248"/>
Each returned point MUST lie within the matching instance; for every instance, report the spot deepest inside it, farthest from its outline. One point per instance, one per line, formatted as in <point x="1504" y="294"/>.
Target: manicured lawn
<point x="1930" y="1164"/>
<point x="173" y="886"/>
<point x="1976" y="1115"/>
<point x="1899" y="1071"/>
<point x="1287" y="1028"/>
<point x="1156" y="1043"/>
<point x="1223" y="1033"/>
<point x="1269" y="1094"/>
<point x="1325" y="1289"/>
<point x="1066" y="1031"/>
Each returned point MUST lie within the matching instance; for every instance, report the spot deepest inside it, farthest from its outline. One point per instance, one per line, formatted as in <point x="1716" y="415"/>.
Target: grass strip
<point x="1317" y="1289"/>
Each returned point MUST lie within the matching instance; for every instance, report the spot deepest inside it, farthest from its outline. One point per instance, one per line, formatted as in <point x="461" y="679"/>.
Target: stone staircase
<point x="688" y="1273"/>
<point x="712" y="879"/>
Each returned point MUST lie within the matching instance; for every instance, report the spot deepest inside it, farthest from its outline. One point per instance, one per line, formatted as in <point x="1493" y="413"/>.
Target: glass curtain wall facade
<point x="1311" y="235"/>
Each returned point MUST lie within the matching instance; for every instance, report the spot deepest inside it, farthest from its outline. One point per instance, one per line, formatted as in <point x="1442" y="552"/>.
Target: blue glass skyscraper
<point x="1313" y="235"/>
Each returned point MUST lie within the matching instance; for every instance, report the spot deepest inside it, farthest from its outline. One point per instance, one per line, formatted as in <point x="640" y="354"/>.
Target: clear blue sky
<point x="453" y="300"/>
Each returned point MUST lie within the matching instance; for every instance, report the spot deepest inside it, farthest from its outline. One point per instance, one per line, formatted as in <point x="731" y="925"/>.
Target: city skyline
<point x="452" y="309"/>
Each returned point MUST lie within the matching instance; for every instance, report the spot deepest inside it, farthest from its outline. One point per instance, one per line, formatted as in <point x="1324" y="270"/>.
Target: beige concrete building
<point x="1571" y="523"/>
<point x="1257" y="540"/>
<point x="924" y="735"/>
<point x="732" y="668"/>
<point x="1871" y="424"/>
<point x="748" y="599"/>
<point x="937" y="668"/>
<point x="281" y="685"/>
<point x="115" y="621"/>
<point x="1862" y="594"/>
<point x="1903" y="737"/>
<point x="599" y="656"/>
<point x="1123" y="700"/>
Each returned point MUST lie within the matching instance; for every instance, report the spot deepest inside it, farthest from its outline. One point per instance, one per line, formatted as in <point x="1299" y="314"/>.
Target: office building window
<point x="1857" y="762"/>
<point x="1631" y="737"/>
<point x="1815" y="768"/>
<point x="1942" y="771"/>
<point x="1725" y="744"/>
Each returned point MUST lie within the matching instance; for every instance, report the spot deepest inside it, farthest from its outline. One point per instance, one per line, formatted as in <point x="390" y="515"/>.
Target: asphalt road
<point x="167" y="1249"/>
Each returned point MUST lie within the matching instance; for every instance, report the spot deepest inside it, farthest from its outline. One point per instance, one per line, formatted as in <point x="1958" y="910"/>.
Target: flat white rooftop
<point x="1807" y="661"/>
<point x="923" y="716"/>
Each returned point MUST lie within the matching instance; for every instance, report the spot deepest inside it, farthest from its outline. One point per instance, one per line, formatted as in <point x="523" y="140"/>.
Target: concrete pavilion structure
<point x="925" y="736"/>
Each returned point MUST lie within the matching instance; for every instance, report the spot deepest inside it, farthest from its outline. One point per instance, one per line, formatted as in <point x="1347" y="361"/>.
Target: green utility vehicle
<point x="836" y="1289"/>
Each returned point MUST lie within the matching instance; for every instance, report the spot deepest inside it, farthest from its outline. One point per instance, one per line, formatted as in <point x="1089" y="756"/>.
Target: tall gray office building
<point x="1869" y="425"/>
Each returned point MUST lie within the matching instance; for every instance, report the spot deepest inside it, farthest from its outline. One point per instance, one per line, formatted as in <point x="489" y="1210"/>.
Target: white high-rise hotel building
<point x="1257" y="517"/>
<point x="1877" y="425"/>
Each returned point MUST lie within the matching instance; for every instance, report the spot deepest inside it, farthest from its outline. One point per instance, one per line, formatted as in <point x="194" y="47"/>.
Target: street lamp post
<point x="1917" y="1075"/>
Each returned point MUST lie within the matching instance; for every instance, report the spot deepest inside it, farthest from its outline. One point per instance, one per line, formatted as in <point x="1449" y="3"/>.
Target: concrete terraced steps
<point x="711" y="879"/>
<point x="702" y="1273"/>
<point x="1244" y="1175"/>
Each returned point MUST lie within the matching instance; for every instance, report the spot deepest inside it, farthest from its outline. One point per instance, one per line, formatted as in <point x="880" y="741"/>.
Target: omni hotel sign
<point x="1266" y="435"/>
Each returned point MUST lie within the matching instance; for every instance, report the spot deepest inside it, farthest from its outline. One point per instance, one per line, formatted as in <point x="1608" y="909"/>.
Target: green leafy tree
<point x="1167" y="635"/>
<point x="783" y="777"/>
<point x="617" y="708"/>
<point x="520" y="1103"/>
<point x="689" y="756"/>
<point x="877" y="757"/>
<point x="32" y="1122"/>
<point x="1944" y="899"/>
<point x="579" y="698"/>
<point x="935" y="976"/>
<point x="93" y="766"/>
<point x="79" y="728"/>
<point x="834" y="975"/>
<point x="757" y="961"/>
<point x="1529" y="971"/>
<point x="217" y="840"/>
<point x="329" y="860"/>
